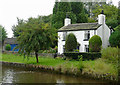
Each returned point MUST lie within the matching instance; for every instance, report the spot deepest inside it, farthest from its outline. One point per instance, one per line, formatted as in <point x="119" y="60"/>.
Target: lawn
<point x="98" y="66"/>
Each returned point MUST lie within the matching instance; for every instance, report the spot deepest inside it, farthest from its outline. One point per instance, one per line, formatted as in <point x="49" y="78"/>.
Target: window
<point x="87" y="35"/>
<point x="63" y="48"/>
<point x="86" y="48"/>
<point x="64" y="36"/>
<point x="94" y="32"/>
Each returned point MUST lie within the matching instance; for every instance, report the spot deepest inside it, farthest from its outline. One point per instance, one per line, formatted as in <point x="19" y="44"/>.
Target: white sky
<point x="23" y="9"/>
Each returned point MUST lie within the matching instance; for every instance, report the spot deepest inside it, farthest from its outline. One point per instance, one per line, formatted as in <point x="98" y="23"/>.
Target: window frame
<point x="64" y="36"/>
<point x="86" y="35"/>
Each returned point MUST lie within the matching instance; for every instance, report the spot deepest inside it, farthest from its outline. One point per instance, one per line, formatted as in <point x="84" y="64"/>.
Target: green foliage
<point x="112" y="22"/>
<point x="17" y="28"/>
<point x="20" y="24"/>
<point x="55" y="8"/>
<point x="8" y="47"/>
<point x="75" y="11"/>
<point x="81" y="65"/>
<point x="46" y="19"/>
<point x="91" y="20"/>
<point x="110" y="11"/>
<point x="3" y="34"/>
<point x="76" y="50"/>
<point x="115" y="39"/>
<point x="79" y="11"/>
<point x="99" y="66"/>
<point x="71" y="42"/>
<point x="110" y="54"/>
<point x="58" y="19"/>
<point x="35" y="36"/>
<point x="80" y="57"/>
<point x="117" y="28"/>
<point x="82" y="17"/>
<point x="95" y="43"/>
<point x="85" y="56"/>
<point x="64" y="7"/>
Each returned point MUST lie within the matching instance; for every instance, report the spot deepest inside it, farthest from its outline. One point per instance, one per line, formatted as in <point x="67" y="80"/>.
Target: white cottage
<point x="83" y="32"/>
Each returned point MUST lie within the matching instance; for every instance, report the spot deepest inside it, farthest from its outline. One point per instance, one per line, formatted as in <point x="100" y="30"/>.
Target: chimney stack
<point x="67" y="20"/>
<point x="101" y="18"/>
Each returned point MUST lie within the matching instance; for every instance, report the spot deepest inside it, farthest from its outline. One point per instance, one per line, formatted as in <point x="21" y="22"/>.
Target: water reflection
<point x="8" y="76"/>
<point x="22" y="75"/>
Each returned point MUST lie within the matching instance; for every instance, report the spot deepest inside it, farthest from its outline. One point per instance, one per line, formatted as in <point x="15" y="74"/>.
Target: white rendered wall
<point x="106" y="35"/>
<point x="80" y="35"/>
<point x="60" y="42"/>
<point x="67" y="21"/>
<point x="104" y="32"/>
<point x="101" y="19"/>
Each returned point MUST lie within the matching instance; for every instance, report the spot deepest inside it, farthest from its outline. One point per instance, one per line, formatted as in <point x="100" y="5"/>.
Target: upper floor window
<point x="64" y="36"/>
<point x="87" y="35"/>
<point x="63" y="48"/>
<point x="94" y="32"/>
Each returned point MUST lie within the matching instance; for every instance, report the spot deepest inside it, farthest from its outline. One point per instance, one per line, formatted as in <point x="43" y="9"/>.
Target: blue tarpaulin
<point x="13" y="46"/>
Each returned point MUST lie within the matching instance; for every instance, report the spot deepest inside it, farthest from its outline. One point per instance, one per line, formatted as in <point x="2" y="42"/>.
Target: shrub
<point x="85" y="56"/>
<point x="110" y="54"/>
<point x="71" y="42"/>
<point x="115" y="39"/>
<point x="8" y="47"/>
<point x="95" y="43"/>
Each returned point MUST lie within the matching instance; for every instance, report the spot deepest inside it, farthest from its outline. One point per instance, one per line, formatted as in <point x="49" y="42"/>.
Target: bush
<point x="110" y="54"/>
<point x="115" y="39"/>
<point x="95" y="43"/>
<point x="71" y="42"/>
<point x="85" y="56"/>
<point x="8" y="47"/>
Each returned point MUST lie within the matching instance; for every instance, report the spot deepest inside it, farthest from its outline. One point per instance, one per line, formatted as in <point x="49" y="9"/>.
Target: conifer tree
<point x="59" y="14"/>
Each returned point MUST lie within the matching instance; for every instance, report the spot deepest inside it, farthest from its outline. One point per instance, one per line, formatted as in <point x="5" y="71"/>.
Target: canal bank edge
<point x="58" y="70"/>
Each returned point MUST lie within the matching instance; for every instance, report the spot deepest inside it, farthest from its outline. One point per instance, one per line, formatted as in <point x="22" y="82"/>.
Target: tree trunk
<point x="36" y="54"/>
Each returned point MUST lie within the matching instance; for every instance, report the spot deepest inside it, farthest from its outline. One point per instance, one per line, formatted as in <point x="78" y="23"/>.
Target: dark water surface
<point x="22" y="75"/>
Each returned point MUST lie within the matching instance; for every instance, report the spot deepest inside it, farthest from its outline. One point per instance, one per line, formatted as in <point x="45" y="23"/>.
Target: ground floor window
<point x="78" y="46"/>
<point x="86" y="48"/>
<point x="63" y="48"/>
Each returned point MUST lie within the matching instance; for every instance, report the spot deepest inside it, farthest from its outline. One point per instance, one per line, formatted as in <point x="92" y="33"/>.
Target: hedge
<point x="86" y="56"/>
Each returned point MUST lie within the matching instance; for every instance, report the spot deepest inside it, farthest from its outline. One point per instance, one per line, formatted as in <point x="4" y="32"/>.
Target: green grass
<point x="98" y="66"/>
<point x="47" y="61"/>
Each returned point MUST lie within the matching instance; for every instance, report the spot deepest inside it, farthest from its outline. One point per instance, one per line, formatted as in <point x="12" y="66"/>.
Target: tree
<point x="95" y="43"/>
<point x="117" y="28"/>
<point x="16" y="28"/>
<point x="58" y="19"/>
<point x="8" y="47"/>
<point x="79" y="10"/>
<point x="110" y="11"/>
<point x="35" y="36"/>
<point x="75" y="10"/>
<point x="59" y="14"/>
<point x="3" y="35"/>
<point x="21" y="22"/>
<point x="115" y="39"/>
<point x="55" y="9"/>
<point x="71" y="42"/>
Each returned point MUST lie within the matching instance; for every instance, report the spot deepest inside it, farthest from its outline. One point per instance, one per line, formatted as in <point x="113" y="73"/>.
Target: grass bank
<point x="98" y="66"/>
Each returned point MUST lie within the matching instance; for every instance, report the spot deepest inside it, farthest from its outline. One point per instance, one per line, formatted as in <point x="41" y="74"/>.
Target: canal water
<point x="22" y="75"/>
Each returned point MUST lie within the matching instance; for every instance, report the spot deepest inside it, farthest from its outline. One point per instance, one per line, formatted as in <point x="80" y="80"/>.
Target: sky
<point x="23" y="9"/>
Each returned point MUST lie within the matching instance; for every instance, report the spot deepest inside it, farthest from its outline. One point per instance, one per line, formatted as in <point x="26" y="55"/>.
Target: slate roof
<point x="80" y="26"/>
<point x="10" y="41"/>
